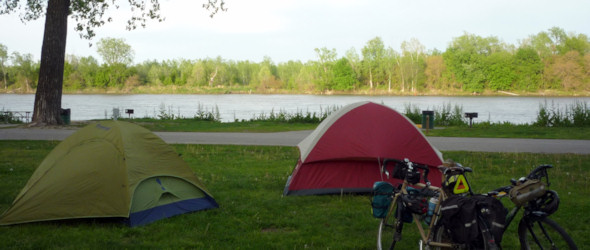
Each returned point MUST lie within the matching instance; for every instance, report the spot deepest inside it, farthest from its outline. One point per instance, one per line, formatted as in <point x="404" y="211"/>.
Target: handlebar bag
<point x="382" y="197"/>
<point x="399" y="171"/>
<point x="527" y="191"/>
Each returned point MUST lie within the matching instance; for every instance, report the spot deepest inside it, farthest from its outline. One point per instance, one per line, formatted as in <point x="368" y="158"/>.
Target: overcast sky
<point x="290" y="29"/>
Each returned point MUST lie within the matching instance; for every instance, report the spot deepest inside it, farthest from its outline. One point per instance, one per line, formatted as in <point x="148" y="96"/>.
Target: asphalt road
<point x="551" y="146"/>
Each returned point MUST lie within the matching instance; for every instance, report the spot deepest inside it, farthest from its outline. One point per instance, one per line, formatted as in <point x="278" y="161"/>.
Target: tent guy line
<point x="292" y="138"/>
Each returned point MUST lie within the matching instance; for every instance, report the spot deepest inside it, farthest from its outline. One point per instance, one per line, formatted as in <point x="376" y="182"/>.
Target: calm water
<point x="87" y="107"/>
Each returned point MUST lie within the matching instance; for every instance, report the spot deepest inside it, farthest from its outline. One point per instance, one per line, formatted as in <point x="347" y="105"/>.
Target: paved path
<point x="294" y="137"/>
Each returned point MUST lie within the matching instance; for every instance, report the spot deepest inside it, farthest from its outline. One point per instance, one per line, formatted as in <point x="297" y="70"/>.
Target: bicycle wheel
<point x="442" y="236"/>
<point x="388" y="227"/>
<point x="543" y="233"/>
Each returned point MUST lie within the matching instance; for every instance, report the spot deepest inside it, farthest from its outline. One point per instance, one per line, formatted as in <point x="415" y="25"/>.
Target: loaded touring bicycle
<point x="453" y="217"/>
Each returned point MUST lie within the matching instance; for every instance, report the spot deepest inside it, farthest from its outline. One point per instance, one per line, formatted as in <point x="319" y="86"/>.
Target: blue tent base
<point x="165" y="211"/>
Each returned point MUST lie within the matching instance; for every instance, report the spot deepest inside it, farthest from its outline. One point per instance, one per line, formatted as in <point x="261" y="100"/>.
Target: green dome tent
<point x="110" y="169"/>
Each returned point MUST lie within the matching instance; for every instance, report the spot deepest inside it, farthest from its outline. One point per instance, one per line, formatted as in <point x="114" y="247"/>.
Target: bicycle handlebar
<point x="385" y="161"/>
<point x="425" y="175"/>
<point x="406" y="162"/>
<point x="539" y="172"/>
<point x="456" y="169"/>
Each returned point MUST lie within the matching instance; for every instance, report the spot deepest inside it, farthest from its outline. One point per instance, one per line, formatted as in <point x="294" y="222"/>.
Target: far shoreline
<point x="172" y="90"/>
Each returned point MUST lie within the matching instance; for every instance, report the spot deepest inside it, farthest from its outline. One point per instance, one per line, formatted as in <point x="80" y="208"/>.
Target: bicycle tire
<point x="555" y="237"/>
<point x="387" y="227"/>
<point x="441" y="235"/>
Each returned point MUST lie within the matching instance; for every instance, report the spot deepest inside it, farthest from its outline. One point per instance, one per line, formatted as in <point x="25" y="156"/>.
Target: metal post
<point x="471" y="115"/>
<point x="427" y="123"/>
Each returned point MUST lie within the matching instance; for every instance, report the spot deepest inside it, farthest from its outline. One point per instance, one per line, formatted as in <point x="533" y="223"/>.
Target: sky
<point x="291" y="29"/>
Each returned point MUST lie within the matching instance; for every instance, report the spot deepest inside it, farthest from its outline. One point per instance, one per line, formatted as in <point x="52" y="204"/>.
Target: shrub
<point x="297" y="117"/>
<point x="9" y="117"/>
<point x="574" y="115"/>
<point x="447" y="116"/>
<point x="413" y="113"/>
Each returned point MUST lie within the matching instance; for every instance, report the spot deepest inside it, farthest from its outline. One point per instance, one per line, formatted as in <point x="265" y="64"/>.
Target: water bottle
<point x="431" y="206"/>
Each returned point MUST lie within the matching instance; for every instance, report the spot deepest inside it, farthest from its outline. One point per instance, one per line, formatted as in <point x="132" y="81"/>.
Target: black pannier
<point x="494" y="213"/>
<point x="459" y="217"/>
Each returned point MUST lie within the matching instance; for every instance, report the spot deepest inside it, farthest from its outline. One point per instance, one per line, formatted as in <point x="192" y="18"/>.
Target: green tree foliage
<point x="373" y="55"/>
<point x="548" y="60"/>
<point x="542" y="44"/>
<point x="344" y="75"/>
<point x="115" y="51"/>
<point x="480" y="63"/>
<point x="355" y="62"/>
<point x="305" y="78"/>
<point x="88" y="15"/>
<point x="465" y="60"/>
<point x="558" y="37"/>
<point x="579" y="43"/>
<point x="435" y="68"/>
<point x="325" y="64"/>
<point x="80" y="72"/>
<point x="391" y="68"/>
<point x="567" y="72"/>
<point x="412" y="63"/>
<point x="25" y="71"/>
<point x="499" y="70"/>
<point x="528" y="69"/>
<point x="3" y="61"/>
<point x="288" y="73"/>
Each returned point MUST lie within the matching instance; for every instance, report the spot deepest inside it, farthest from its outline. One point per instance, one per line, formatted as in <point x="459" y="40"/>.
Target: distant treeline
<point x="549" y="60"/>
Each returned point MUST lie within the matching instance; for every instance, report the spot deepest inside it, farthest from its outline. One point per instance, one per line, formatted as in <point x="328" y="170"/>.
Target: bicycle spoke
<point x="543" y="233"/>
<point x="547" y="236"/>
<point x="530" y="226"/>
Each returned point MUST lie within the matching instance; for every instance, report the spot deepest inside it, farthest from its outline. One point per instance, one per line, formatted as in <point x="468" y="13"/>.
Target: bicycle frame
<point x="432" y="234"/>
<point x="538" y="173"/>
<point x="529" y="214"/>
<point x="425" y="234"/>
<point x="511" y="215"/>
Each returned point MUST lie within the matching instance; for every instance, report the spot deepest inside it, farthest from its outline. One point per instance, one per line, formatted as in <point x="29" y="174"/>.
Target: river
<point x="517" y="110"/>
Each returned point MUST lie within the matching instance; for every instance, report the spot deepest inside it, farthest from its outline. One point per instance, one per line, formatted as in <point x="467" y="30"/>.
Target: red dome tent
<point x="346" y="150"/>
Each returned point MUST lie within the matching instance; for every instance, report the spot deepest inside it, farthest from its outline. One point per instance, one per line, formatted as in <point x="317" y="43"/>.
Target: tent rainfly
<point x="345" y="152"/>
<point x="110" y="169"/>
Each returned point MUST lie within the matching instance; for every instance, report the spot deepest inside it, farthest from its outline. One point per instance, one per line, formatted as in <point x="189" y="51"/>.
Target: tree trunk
<point x="49" y="88"/>
<point x="212" y="78"/>
<point x="4" y="78"/>
<point x="389" y="86"/>
<point x="371" y="78"/>
<point x="401" y="71"/>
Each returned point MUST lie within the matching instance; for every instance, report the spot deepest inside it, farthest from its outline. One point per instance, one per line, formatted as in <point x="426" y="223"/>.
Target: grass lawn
<point x="478" y="130"/>
<point x="513" y="131"/>
<point x="247" y="182"/>
<point x="190" y="125"/>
